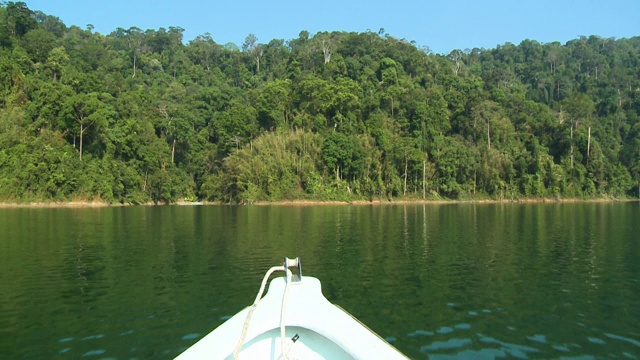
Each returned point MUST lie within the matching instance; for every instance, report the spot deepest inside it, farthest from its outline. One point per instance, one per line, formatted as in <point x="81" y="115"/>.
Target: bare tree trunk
<point x="134" y="65"/>
<point x="457" y="57"/>
<point x="81" y="132"/>
<point x="619" y="99"/>
<point x="326" y="51"/>
<point x="424" y="179"/>
<point x="488" y="136"/>
<point x="572" y="145"/>
<point x="391" y="106"/>
<point x="173" y="150"/>
<point x="404" y="191"/>
<point x="588" y="144"/>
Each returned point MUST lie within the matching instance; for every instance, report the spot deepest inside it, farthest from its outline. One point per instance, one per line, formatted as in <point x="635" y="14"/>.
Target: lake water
<point x="438" y="281"/>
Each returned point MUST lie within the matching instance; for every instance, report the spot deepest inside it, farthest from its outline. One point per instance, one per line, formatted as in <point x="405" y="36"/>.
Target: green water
<point x="438" y="281"/>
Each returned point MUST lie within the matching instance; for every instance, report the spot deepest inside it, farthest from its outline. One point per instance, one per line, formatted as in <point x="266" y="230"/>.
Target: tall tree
<point x="135" y="40"/>
<point x="82" y="112"/>
<point x="19" y="18"/>
<point x="254" y="49"/>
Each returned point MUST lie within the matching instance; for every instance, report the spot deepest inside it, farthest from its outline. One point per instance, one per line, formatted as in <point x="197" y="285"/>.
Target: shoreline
<point x="102" y="204"/>
<point x="437" y="202"/>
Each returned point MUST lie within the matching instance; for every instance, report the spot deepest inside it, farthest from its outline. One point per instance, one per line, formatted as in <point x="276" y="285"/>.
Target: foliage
<point x="138" y="115"/>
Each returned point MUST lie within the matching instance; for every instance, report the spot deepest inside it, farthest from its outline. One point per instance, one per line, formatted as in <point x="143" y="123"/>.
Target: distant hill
<point x="138" y="116"/>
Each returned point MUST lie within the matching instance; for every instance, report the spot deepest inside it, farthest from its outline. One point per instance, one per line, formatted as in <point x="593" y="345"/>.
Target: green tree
<point x="38" y="43"/>
<point x="338" y="154"/>
<point x="83" y="112"/>
<point x="253" y="49"/>
<point x="274" y="104"/>
<point x="235" y="126"/>
<point x="19" y="18"/>
<point x="56" y="60"/>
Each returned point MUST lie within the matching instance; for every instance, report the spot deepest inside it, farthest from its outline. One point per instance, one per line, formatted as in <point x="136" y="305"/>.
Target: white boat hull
<point x="323" y="330"/>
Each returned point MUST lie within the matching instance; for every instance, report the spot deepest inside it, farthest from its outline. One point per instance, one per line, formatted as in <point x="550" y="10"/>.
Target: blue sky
<point x="442" y="25"/>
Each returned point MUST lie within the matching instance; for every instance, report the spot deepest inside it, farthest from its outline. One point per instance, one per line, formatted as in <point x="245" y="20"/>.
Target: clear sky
<point x="442" y="25"/>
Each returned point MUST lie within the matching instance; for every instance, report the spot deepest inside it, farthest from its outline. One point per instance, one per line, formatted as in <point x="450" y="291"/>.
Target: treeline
<point x="138" y="116"/>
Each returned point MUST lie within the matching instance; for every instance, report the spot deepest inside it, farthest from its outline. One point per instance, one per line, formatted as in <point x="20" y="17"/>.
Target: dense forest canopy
<point x="138" y="115"/>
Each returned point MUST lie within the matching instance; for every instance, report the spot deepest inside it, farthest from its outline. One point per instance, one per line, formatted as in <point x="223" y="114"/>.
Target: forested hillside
<point x="138" y="115"/>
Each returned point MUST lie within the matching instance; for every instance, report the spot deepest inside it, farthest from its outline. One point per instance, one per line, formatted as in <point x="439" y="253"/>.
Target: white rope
<point x="245" y="328"/>
<point x="285" y="297"/>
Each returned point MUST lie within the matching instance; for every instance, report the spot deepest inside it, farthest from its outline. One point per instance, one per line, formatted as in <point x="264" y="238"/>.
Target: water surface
<point x="438" y="281"/>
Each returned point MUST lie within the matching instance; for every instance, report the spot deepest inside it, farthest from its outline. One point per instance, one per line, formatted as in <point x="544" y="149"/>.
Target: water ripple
<point x="444" y="330"/>
<point x="463" y="326"/>
<point x="596" y="340"/>
<point x="515" y="350"/>
<point x="94" y="353"/>
<point x="420" y="333"/>
<point x="454" y="343"/>
<point x="192" y="336"/>
<point x="561" y="348"/>
<point x="538" y="338"/>
<point x="622" y="338"/>
<point x="482" y="354"/>
<point x="92" y="337"/>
